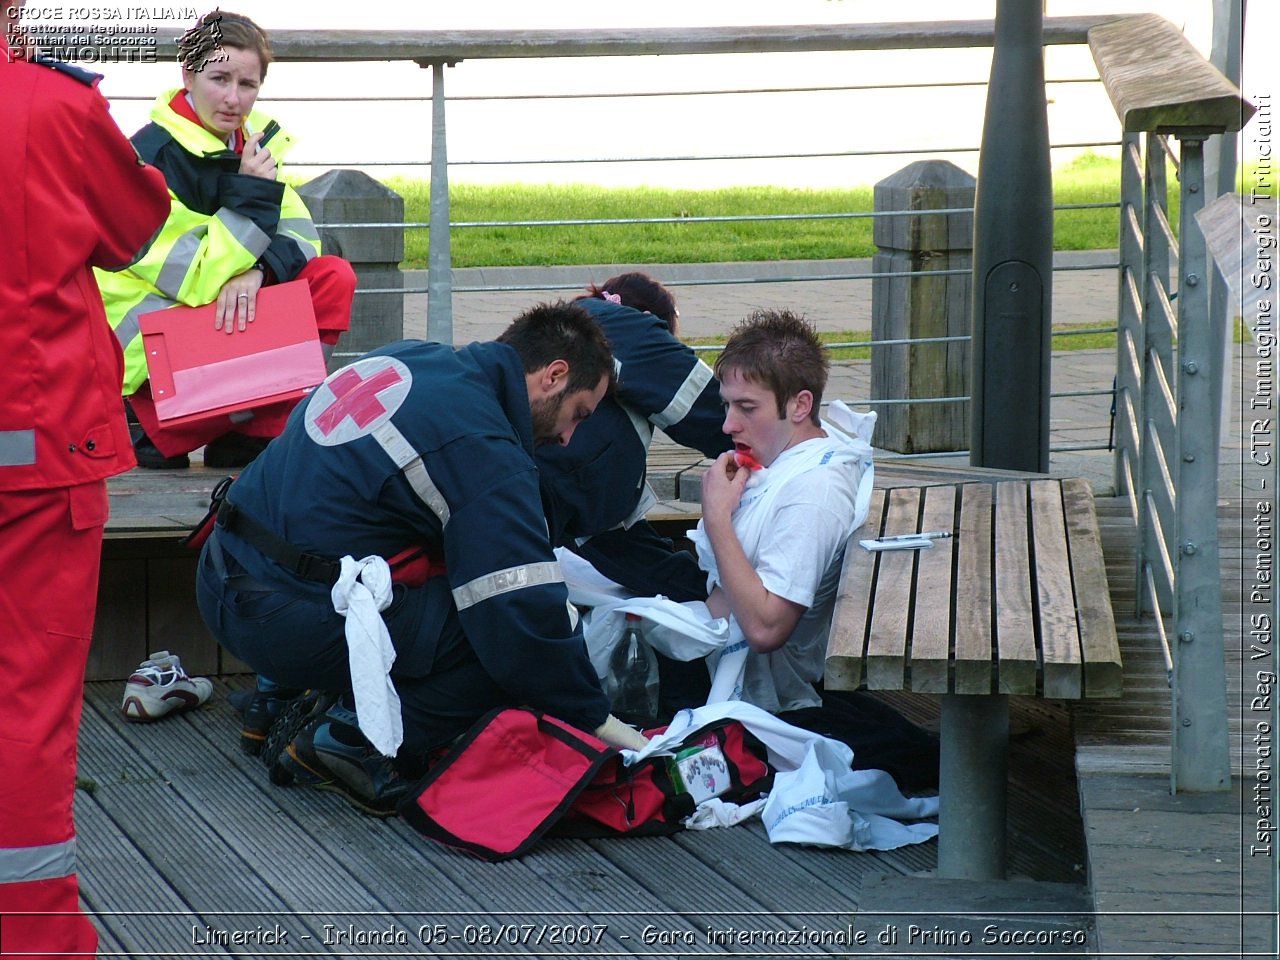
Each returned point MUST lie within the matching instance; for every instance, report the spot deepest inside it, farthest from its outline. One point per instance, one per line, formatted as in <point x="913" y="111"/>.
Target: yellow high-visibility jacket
<point x="221" y="223"/>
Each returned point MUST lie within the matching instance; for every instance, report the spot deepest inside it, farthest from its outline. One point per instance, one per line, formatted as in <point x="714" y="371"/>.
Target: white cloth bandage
<point x="362" y="592"/>
<point x="816" y="797"/>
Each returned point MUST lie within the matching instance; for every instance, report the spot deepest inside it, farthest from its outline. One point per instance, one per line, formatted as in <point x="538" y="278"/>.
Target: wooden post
<point x="926" y="303"/>
<point x="342" y="197"/>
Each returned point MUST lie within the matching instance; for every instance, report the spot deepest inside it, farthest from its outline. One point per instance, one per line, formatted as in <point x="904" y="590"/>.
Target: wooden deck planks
<point x="251" y="859"/>
<point x="181" y="821"/>
<point x="1151" y="852"/>
<point x="1133" y="733"/>
<point x="121" y="884"/>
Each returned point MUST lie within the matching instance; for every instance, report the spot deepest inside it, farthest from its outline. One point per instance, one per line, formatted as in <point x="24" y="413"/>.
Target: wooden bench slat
<point x="1015" y="618"/>
<point x="1103" y="673"/>
<point x="931" y="635"/>
<point x="973" y="568"/>
<point x="1059" y="632"/>
<point x="847" y="642"/>
<point x="887" y="642"/>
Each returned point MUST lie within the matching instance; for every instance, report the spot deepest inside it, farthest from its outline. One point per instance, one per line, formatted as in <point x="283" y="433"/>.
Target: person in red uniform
<point x="76" y="196"/>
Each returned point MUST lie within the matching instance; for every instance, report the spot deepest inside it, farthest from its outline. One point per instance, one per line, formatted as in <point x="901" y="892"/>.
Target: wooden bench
<point x="1015" y="603"/>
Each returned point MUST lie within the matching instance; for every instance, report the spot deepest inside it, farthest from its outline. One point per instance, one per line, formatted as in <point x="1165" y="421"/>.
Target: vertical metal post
<point x="972" y="787"/>
<point x="1201" y="757"/>
<point x="1158" y="351"/>
<point x="439" y="256"/>
<point x="1220" y="160"/>
<point x="1013" y="253"/>
<point x="1128" y="379"/>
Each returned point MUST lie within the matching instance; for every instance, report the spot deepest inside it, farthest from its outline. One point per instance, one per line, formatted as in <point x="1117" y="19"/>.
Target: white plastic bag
<point x="681" y="631"/>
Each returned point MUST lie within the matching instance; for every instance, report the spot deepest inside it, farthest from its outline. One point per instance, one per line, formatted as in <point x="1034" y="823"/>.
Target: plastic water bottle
<point x="630" y="669"/>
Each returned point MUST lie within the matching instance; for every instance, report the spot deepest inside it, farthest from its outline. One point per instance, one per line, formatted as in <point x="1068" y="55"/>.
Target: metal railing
<point x="1167" y="394"/>
<point x="1167" y="454"/>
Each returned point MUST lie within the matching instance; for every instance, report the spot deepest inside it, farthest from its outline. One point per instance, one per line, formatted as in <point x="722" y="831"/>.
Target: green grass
<point x="1069" y="340"/>
<point x="1086" y="341"/>
<point x="1089" y="179"/>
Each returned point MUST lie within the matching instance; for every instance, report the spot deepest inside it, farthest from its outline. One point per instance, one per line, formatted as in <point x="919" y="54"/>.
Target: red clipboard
<point x="198" y="372"/>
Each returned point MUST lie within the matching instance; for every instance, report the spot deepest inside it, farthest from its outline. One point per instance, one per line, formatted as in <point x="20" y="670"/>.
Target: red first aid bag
<point x="519" y="774"/>
<point x="505" y="783"/>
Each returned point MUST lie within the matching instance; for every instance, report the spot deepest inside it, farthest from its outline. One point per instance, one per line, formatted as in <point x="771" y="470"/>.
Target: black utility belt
<point x="309" y="566"/>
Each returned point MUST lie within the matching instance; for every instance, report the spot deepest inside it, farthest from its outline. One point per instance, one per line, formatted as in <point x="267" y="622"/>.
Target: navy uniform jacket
<point x="419" y="443"/>
<point x="597" y="482"/>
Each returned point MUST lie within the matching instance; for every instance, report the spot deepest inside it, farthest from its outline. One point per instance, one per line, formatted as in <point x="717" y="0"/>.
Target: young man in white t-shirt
<point x="776" y="514"/>
<point x="777" y="539"/>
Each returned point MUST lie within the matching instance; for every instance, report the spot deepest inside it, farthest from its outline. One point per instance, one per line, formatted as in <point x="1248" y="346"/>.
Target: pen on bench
<point x="931" y="535"/>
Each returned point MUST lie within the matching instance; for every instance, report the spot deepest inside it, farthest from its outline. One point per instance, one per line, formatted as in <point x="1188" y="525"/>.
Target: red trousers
<point x="50" y="547"/>
<point x="333" y="286"/>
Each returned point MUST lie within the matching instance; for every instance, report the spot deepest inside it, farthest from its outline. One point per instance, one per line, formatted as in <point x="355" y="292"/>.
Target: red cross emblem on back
<point x="356" y="397"/>
<point x="357" y="400"/>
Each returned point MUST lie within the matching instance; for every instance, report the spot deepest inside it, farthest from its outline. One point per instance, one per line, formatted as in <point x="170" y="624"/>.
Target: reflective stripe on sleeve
<point x="30" y="864"/>
<point x="402" y="454"/>
<point x="246" y="233"/>
<point x="178" y="263"/>
<point x="643" y="428"/>
<point x="185" y="250"/>
<point x="17" y="448"/>
<point x="303" y="234"/>
<point x="128" y="329"/>
<point x="505" y="581"/>
<point x="686" y="396"/>
<point x="300" y="227"/>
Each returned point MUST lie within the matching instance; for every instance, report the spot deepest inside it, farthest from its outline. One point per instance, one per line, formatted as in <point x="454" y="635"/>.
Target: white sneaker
<point x="160" y="687"/>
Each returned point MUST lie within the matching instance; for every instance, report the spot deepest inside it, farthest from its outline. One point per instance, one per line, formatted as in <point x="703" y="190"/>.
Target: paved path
<point x="713" y="297"/>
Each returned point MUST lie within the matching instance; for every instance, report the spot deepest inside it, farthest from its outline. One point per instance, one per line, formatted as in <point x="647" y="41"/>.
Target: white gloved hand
<point x="617" y="734"/>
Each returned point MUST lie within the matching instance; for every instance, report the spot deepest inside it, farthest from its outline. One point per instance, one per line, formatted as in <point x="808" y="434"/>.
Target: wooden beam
<point x="451" y="46"/>
<point x="1158" y="81"/>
